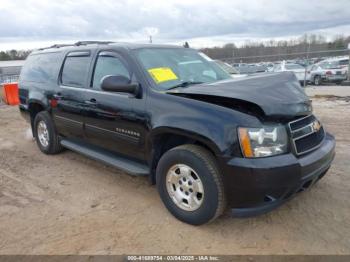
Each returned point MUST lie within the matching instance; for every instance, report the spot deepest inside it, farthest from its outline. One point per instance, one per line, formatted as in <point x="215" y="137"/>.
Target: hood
<point x="276" y="94"/>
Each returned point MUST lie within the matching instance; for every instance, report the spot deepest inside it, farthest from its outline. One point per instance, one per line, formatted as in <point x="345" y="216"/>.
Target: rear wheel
<point x="45" y="134"/>
<point x="190" y="184"/>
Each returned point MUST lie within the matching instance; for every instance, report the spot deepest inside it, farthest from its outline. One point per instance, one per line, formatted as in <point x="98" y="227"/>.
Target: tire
<point x="203" y="166"/>
<point x="53" y="145"/>
<point x="317" y="80"/>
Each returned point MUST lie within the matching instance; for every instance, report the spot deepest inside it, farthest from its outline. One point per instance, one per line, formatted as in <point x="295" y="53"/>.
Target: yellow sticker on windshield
<point x="162" y="74"/>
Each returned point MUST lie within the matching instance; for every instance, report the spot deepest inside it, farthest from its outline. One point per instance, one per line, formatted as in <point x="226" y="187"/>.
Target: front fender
<point x="185" y="133"/>
<point x="213" y="125"/>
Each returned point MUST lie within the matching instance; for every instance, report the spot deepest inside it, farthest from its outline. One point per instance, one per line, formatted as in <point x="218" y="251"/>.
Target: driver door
<point x="111" y="122"/>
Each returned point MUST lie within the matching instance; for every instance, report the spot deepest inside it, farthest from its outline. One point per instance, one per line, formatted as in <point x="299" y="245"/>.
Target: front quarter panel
<point x="213" y="125"/>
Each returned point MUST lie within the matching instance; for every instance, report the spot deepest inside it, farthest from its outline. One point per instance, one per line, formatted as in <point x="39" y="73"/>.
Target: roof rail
<point x="78" y="44"/>
<point x="55" y="46"/>
<point x="93" y="42"/>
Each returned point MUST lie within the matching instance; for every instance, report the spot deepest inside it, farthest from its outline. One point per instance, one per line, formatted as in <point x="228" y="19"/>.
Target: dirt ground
<point x="68" y="204"/>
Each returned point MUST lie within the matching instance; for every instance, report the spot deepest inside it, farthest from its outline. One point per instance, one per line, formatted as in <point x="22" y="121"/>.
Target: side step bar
<point x="107" y="157"/>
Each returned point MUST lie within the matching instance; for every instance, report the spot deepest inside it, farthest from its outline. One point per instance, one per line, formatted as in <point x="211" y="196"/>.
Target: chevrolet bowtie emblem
<point x="316" y="126"/>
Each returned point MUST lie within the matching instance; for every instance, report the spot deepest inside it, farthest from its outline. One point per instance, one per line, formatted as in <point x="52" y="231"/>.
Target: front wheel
<point x="190" y="184"/>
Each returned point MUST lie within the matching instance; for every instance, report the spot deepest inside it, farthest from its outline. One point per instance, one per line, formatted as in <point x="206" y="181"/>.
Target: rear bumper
<point x="256" y="186"/>
<point x="334" y="78"/>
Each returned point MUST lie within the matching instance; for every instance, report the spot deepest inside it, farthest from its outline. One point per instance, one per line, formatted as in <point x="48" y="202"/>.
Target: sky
<point x="28" y="24"/>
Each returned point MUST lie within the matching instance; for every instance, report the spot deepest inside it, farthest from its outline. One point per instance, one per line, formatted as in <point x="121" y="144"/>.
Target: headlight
<point x="262" y="142"/>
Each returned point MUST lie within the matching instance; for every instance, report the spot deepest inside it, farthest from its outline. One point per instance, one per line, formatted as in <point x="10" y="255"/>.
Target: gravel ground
<point x="68" y="204"/>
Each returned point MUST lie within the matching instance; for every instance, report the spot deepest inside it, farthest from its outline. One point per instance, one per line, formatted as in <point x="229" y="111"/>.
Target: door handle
<point x="92" y="101"/>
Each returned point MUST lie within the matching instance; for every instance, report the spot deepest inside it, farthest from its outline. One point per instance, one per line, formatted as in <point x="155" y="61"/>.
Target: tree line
<point x="252" y="52"/>
<point x="14" y="55"/>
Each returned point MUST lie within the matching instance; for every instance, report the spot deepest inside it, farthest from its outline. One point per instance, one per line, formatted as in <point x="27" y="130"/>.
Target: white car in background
<point x="297" y="69"/>
<point x="330" y="71"/>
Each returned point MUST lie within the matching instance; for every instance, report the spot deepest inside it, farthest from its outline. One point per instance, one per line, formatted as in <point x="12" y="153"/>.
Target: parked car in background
<point x="329" y="71"/>
<point x="269" y="67"/>
<point x="343" y="61"/>
<point x="250" y="68"/>
<point x="297" y="69"/>
<point x="229" y="69"/>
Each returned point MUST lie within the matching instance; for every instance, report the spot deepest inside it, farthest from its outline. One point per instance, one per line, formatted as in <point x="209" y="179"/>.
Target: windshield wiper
<point x="185" y="84"/>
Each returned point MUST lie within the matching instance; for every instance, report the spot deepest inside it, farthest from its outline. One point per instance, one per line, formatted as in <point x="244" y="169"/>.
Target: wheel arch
<point x="34" y="107"/>
<point x="163" y="139"/>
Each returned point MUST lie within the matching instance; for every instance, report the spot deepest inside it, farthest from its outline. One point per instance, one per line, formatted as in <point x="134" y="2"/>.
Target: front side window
<point x="108" y="65"/>
<point x="75" y="70"/>
<point x="170" y="67"/>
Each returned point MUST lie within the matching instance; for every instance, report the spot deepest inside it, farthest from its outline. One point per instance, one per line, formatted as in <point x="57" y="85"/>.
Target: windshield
<point x="293" y="66"/>
<point x="229" y="69"/>
<point x="170" y="67"/>
<point x="330" y="65"/>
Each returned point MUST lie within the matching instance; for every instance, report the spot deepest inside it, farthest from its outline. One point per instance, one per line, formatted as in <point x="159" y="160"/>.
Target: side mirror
<point x="118" y="83"/>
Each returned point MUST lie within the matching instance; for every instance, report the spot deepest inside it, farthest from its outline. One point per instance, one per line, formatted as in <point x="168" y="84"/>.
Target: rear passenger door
<point x="111" y="121"/>
<point x="69" y="111"/>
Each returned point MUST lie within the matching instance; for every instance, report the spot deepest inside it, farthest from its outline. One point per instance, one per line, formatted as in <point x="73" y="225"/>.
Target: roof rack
<point x="79" y="43"/>
<point x="93" y="42"/>
<point x="55" y="46"/>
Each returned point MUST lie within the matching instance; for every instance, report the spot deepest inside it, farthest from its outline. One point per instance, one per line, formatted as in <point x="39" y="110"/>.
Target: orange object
<point x="10" y="93"/>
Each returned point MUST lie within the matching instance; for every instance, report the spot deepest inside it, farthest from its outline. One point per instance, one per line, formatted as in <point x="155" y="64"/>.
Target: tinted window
<point x="108" y="65"/>
<point x="41" y="68"/>
<point x="75" y="70"/>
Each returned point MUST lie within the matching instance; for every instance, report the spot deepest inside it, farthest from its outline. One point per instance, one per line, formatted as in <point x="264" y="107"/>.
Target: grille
<point x="306" y="133"/>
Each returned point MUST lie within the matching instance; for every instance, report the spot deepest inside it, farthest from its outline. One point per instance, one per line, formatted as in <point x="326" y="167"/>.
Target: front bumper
<point x="256" y="186"/>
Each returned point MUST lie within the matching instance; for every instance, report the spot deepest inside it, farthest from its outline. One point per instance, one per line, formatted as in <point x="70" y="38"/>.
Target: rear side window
<point x="41" y="68"/>
<point x="75" y="69"/>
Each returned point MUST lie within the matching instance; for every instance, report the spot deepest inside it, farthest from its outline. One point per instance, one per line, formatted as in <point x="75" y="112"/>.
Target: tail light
<point x="328" y="72"/>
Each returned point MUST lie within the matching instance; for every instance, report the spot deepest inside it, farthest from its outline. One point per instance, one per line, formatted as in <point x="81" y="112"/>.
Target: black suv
<point x="170" y="113"/>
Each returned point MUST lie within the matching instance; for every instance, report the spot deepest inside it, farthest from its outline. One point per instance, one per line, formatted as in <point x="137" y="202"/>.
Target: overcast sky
<point x="32" y="23"/>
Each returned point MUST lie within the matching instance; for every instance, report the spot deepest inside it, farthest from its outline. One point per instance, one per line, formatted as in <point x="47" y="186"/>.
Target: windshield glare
<point x="169" y="67"/>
